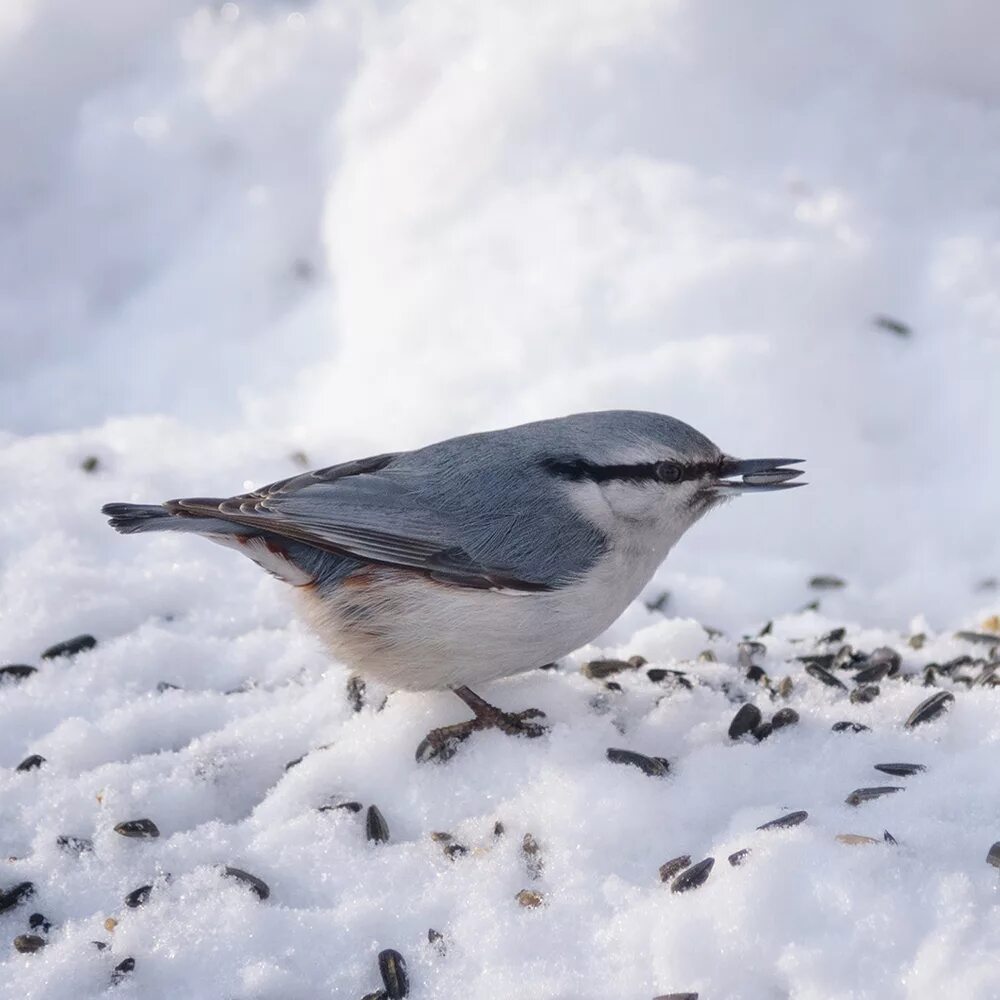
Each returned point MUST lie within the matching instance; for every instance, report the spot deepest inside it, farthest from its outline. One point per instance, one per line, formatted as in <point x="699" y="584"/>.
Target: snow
<point x="232" y="233"/>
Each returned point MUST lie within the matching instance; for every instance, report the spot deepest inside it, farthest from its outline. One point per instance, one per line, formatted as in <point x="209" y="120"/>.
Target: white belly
<point x="406" y="631"/>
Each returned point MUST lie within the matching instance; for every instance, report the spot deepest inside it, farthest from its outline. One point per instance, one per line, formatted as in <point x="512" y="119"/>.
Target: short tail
<point x="130" y="518"/>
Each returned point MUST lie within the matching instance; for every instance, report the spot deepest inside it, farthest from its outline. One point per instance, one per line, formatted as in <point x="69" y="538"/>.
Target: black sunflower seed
<point x="138" y="896"/>
<point x="139" y="828"/>
<point x="929" y="709"/>
<point x="888" y="837"/>
<point x="783" y="822"/>
<point x="695" y="876"/>
<point x="78" y="644"/>
<point x="392" y="966"/>
<point x="655" y="767"/>
<point x="872" y="674"/>
<point x="860" y="795"/>
<point x="27" y="943"/>
<point x="675" y="677"/>
<point x="824" y="660"/>
<point x="258" y="885"/>
<point x="122" y="970"/>
<point x="15" y="895"/>
<point x="993" y="857"/>
<point x="455" y="851"/>
<point x="164" y="686"/>
<point x="746" y="720"/>
<point x="677" y="996"/>
<point x="834" y="635"/>
<point x="784" y="717"/>
<point x="354" y="807"/>
<point x="983" y="638"/>
<point x="762" y="731"/>
<point x="900" y="770"/>
<point x="31" y="763"/>
<point x="377" y="995"/>
<point x="866" y="694"/>
<point x="738" y="857"/>
<point x="16" y="672"/>
<point x="950" y="666"/>
<point x="498" y="829"/>
<point x="888" y="656"/>
<point x="75" y="845"/>
<point x="756" y="674"/>
<point x="671" y="869"/>
<point x="821" y="674"/>
<point x="376" y="828"/>
<point x="766" y="629"/>
<point x="37" y="920"/>
<point x="850" y="727"/>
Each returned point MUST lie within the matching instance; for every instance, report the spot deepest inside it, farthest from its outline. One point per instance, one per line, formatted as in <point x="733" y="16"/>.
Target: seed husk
<point x="855" y="839"/>
<point x="929" y="709"/>
<point x="37" y="920"/>
<point x="436" y="940"/>
<point x="138" y="896"/>
<point x="70" y="647"/>
<point x="164" y="686"/>
<point x="788" y="820"/>
<point x="655" y="767"/>
<point x="142" y="829"/>
<point x="392" y="966"/>
<point x="28" y="943"/>
<point x="834" y="635"/>
<point x="993" y="857"/>
<point x="598" y="670"/>
<point x="258" y="885"/>
<point x="530" y="899"/>
<point x="31" y="763"/>
<point x="16" y="672"/>
<point x="864" y="695"/>
<point x="900" y="770"/>
<point x="824" y="675"/>
<point x="15" y="895"/>
<point x="676" y="677"/>
<point x="532" y="856"/>
<point x="738" y="857"/>
<point x="746" y="720"/>
<point x="756" y="674"/>
<point x="671" y="869"/>
<point x="850" y="727"/>
<point x="351" y="806"/>
<point x="122" y="970"/>
<point x="356" y="692"/>
<point x="376" y="828"/>
<point x="695" y="876"/>
<point x="784" y="717"/>
<point x="860" y="795"/>
<point x="888" y="837"/>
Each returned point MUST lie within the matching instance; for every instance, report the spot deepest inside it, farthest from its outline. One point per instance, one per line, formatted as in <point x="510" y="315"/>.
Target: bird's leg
<point x="441" y="744"/>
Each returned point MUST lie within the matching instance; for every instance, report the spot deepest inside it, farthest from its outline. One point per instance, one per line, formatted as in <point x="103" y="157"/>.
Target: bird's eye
<point x="669" y="472"/>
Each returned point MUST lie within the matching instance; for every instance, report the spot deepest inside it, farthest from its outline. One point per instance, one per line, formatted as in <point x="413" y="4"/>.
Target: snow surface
<point x="232" y="233"/>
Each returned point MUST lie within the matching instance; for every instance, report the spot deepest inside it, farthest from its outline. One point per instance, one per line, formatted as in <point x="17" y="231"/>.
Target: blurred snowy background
<point x="238" y="238"/>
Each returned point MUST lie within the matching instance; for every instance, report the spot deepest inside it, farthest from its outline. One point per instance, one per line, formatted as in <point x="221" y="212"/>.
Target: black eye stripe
<point x="579" y="469"/>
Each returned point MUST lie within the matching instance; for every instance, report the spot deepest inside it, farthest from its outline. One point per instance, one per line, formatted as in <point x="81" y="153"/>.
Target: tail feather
<point x="130" y="518"/>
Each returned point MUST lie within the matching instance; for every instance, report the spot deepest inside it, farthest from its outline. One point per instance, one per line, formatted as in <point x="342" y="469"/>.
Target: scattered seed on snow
<point x="788" y="820"/>
<point x="376" y="828"/>
<point x="532" y="854"/>
<point x="258" y="885"/>
<point x="137" y="897"/>
<point x="864" y="695"/>
<point x="784" y="717"/>
<point x="762" y="731"/>
<point x="122" y="970"/>
<point x="746" y="720"/>
<point x="600" y="669"/>
<point x="16" y="672"/>
<point x="900" y="770"/>
<point x="993" y="857"/>
<point x="529" y="898"/>
<point x="860" y="795"/>
<point x="137" y="828"/>
<point x="850" y="727"/>
<point x="738" y="857"/>
<point x="70" y="647"/>
<point x="392" y="966"/>
<point x="31" y="763"/>
<point x="28" y="943"/>
<point x="17" y="894"/>
<point x="695" y="876"/>
<point x="824" y="675"/>
<point x="929" y="709"/>
<point x="655" y="767"/>
<point x="834" y="635"/>
<point x="671" y="869"/>
<point x="855" y="839"/>
<point x="436" y="940"/>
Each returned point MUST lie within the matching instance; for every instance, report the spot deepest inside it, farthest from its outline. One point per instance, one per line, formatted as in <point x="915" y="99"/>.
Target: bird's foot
<point x="441" y="744"/>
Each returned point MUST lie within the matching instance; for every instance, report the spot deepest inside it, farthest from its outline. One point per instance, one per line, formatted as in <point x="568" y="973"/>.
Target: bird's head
<point x="652" y="471"/>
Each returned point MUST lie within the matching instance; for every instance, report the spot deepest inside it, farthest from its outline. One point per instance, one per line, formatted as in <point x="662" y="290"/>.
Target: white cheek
<point x="634" y="502"/>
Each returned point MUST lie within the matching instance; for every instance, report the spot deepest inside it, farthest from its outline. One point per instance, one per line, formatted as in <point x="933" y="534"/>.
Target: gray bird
<point x="480" y="556"/>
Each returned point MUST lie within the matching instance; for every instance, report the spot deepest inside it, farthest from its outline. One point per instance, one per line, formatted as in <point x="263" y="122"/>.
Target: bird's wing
<point x="358" y="510"/>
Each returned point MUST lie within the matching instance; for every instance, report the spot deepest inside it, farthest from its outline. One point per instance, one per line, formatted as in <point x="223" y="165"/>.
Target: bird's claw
<point x="442" y="744"/>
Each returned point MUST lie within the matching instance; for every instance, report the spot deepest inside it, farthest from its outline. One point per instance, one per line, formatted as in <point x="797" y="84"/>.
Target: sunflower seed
<point x="756" y="674"/>
<point x="530" y="899"/>
<point x="896" y="326"/>
<point x="929" y="709"/>
<point x="823" y="660"/>
<point x="436" y="940"/>
<point x="75" y="845"/>
<point x="164" y="686"/>
<point x="122" y="970"/>
<point x="16" y="672"/>
<point x="900" y="770"/>
<point x="354" y="807"/>
<point x="676" y="677"/>
<point x="15" y="895"/>
<point x="655" y="767"/>
<point x="872" y="674"/>
<point x="784" y="717"/>
<point x="91" y="463"/>
<point x="814" y="670"/>
<point x="376" y="828"/>
<point x="993" y="857"/>
<point x="31" y="763"/>
<point x="762" y="731"/>
<point x="888" y="837"/>
<point x="455" y="851"/>
<point x="498" y="829"/>
<point x="827" y="582"/>
<point x="860" y="795"/>
<point x="392" y="966"/>
<point x="258" y="885"/>
<point x="658" y="603"/>
<point x="695" y="876"/>
<point x="670" y="869"/>
<point x="785" y="687"/>
<point x="28" y="943"/>
<point x="950" y="666"/>
<point x="532" y="856"/>
<point x="866" y="694"/>
<point x="888" y="656"/>
<point x="746" y="720"/>
<point x="783" y="822"/>
<point x="599" y="669"/>
<point x="70" y="647"/>
<point x="850" y="727"/>
<point x="677" y="996"/>
<point x="138" y="896"/>
<point x="738" y="857"/>
<point x="834" y="635"/>
<point x="930" y="675"/>
<point x="377" y="995"/>
<point x="356" y="692"/>
<point x="37" y="920"/>
<point x="983" y="638"/>
<point x="138" y="828"/>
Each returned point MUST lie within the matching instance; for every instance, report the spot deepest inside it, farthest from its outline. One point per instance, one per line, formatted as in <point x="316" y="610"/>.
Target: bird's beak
<point x="757" y="475"/>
